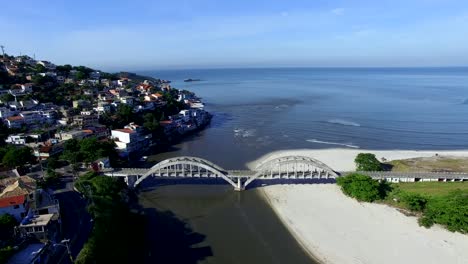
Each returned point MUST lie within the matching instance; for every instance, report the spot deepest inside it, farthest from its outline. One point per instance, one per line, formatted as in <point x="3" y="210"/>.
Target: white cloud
<point x="338" y="11"/>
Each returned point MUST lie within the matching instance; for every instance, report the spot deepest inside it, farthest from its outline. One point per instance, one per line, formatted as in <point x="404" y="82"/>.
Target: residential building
<point x="103" y="107"/>
<point x="7" y="112"/>
<point x="85" y="120"/>
<point x="14" y="194"/>
<point x="43" y="152"/>
<point x="96" y="75"/>
<point x="15" y="206"/>
<point x="43" y="227"/>
<point x="47" y="64"/>
<point x="130" y="139"/>
<point x="81" y="104"/>
<point x="18" y="139"/>
<point x="14" y="121"/>
<point x="73" y="134"/>
<point x="128" y="100"/>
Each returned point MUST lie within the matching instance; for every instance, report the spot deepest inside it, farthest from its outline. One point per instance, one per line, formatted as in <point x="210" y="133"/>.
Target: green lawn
<point x="439" y="163"/>
<point x="433" y="189"/>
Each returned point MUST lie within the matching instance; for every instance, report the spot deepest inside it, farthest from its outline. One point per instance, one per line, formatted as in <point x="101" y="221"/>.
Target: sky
<point x="147" y="35"/>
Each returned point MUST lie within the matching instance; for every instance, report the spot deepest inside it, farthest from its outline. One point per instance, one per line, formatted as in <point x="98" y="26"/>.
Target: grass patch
<point x="432" y="189"/>
<point x="430" y="164"/>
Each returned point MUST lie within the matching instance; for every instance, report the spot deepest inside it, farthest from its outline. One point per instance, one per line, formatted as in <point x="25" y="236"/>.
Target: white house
<point x="95" y="75"/>
<point x="103" y="107"/>
<point x="18" y="139"/>
<point x="130" y="138"/>
<point x="47" y="64"/>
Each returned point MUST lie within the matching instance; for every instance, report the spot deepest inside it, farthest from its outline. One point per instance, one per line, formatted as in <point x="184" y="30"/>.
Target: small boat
<point x="192" y="80"/>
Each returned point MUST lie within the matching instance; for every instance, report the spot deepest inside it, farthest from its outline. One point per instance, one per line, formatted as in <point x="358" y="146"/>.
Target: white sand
<point x="343" y="159"/>
<point x="338" y="229"/>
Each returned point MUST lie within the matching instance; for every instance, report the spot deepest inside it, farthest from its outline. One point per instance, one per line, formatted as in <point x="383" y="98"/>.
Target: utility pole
<point x="3" y="50"/>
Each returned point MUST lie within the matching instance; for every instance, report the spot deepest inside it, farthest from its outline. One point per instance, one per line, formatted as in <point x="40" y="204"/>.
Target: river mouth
<point x="198" y="223"/>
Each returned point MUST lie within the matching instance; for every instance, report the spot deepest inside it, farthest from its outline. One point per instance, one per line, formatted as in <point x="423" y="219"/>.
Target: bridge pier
<point x="239" y="186"/>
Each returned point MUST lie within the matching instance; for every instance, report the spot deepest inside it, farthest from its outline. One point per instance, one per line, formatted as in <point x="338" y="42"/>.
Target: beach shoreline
<point x="334" y="228"/>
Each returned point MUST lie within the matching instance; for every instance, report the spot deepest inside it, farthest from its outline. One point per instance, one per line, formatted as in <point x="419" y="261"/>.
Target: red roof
<point x="125" y="130"/>
<point x="15" y="118"/>
<point x="10" y="201"/>
<point x="45" y="149"/>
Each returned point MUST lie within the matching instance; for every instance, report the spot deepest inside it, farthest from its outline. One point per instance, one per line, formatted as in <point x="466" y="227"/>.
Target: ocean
<point x="257" y="111"/>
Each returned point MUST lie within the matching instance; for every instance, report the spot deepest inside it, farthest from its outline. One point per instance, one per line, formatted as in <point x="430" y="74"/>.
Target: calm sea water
<point x="261" y="110"/>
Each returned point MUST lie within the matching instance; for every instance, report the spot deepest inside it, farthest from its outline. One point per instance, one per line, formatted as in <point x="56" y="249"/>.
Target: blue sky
<point x="142" y="35"/>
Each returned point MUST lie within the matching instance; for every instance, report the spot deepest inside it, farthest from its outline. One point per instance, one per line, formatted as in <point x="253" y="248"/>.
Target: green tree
<point x="359" y="186"/>
<point x="4" y="132"/>
<point x="15" y="157"/>
<point x="71" y="151"/>
<point x="80" y="75"/>
<point x="64" y="68"/>
<point x="150" y="122"/>
<point x="367" y="162"/>
<point x="7" y="97"/>
<point x="39" y="68"/>
<point x="52" y="163"/>
<point x="7" y="225"/>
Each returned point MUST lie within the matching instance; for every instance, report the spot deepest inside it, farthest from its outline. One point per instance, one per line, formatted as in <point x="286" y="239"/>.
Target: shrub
<point x="359" y="186"/>
<point x="450" y="211"/>
<point x="367" y="162"/>
<point x="414" y="202"/>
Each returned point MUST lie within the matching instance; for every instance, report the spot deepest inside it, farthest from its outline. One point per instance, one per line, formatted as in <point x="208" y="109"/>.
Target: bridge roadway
<point x="287" y="167"/>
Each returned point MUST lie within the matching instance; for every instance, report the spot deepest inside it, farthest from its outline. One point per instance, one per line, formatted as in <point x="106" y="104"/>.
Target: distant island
<point x="192" y="80"/>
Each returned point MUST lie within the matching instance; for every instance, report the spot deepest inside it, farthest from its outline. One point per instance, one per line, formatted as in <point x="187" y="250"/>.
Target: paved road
<point x="76" y="222"/>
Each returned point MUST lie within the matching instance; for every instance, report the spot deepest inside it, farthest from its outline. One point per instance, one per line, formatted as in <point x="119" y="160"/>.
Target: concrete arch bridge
<point x="287" y="167"/>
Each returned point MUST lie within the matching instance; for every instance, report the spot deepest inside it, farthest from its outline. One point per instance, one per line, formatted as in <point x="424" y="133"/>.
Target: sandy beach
<point x="338" y="229"/>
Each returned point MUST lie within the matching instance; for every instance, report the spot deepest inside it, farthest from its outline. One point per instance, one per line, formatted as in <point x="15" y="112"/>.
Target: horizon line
<point x="298" y="67"/>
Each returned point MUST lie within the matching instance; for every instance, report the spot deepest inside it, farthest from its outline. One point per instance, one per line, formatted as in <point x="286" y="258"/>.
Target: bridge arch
<point x="186" y="164"/>
<point x="296" y="165"/>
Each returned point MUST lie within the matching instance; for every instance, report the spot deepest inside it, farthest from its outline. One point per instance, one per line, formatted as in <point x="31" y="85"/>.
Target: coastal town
<point x="46" y="111"/>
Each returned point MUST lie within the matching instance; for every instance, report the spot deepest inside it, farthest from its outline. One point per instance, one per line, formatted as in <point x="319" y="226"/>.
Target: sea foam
<point x="343" y="122"/>
<point x="349" y="145"/>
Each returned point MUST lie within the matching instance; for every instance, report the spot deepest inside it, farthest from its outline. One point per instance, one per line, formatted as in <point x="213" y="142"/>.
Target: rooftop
<point x="10" y="201"/>
<point x="37" y="220"/>
<point x="125" y="130"/>
<point x="15" y="118"/>
<point x="16" y="186"/>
